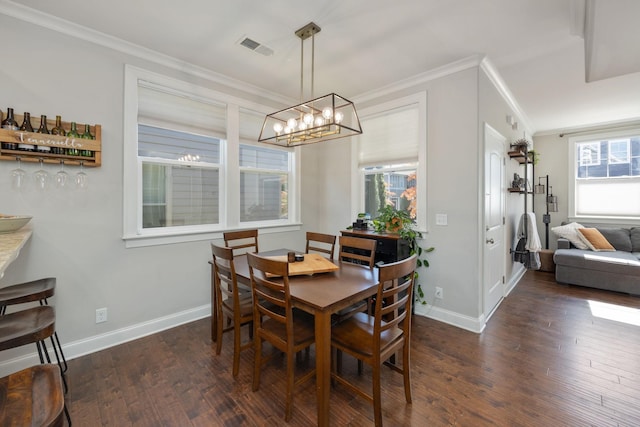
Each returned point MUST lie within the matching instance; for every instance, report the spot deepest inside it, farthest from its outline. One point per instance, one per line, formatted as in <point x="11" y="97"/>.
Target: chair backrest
<point x="327" y="243"/>
<point x="271" y="298"/>
<point x="394" y="297"/>
<point x="244" y="239"/>
<point x="357" y="250"/>
<point x="226" y="284"/>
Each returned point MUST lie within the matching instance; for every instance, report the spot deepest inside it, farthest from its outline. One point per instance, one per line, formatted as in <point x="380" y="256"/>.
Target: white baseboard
<point x="451" y="317"/>
<point x="109" y="339"/>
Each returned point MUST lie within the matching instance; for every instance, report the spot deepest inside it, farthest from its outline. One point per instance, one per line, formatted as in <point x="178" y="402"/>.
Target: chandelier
<point x="321" y="119"/>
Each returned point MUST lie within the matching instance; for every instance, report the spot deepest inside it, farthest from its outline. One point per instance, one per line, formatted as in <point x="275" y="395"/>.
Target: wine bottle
<point x="26" y="127"/>
<point x="86" y="135"/>
<point x="43" y="129"/>
<point x="11" y="124"/>
<point x="58" y="130"/>
<point x="26" y="123"/>
<point x="73" y="133"/>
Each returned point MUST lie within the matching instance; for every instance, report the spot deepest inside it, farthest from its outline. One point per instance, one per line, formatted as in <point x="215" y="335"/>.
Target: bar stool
<point x="36" y="290"/>
<point x="32" y="397"/>
<point x="32" y="325"/>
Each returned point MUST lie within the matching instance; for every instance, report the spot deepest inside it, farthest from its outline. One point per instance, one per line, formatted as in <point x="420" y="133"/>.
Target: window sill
<point x="169" y="238"/>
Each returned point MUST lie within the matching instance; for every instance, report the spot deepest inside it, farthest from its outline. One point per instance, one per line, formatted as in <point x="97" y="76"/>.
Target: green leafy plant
<point x="392" y="220"/>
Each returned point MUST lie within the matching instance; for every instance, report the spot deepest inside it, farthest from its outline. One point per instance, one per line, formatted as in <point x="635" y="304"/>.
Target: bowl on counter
<point x="10" y="223"/>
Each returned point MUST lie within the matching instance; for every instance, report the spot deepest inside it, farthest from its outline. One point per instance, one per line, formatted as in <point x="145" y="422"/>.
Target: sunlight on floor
<point x="617" y="313"/>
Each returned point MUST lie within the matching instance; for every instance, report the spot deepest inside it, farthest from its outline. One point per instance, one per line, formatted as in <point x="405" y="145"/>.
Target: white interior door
<point x="494" y="194"/>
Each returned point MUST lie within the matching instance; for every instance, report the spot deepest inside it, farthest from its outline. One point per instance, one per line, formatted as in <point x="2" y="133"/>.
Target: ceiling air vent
<point x="256" y="47"/>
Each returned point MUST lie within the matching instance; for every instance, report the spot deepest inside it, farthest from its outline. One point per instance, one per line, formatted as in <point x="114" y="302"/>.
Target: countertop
<point x="10" y="245"/>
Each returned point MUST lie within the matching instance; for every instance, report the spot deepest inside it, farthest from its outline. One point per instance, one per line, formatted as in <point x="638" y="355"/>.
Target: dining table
<point x="320" y="294"/>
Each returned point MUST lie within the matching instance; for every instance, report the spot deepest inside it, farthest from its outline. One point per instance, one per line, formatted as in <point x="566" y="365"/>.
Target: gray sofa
<point x="616" y="271"/>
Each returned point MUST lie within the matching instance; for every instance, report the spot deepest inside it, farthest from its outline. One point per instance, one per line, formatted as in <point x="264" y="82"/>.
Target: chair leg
<point x="290" y="383"/>
<point x="377" y="404"/>
<point x="57" y="341"/>
<point x="257" y="355"/>
<point x="406" y="372"/>
<point x="66" y="414"/>
<point x="219" y="332"/>
<point x="236" y="349"/>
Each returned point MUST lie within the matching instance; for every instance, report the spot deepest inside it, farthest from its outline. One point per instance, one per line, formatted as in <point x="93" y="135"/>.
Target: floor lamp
<point x="551" y="203"/>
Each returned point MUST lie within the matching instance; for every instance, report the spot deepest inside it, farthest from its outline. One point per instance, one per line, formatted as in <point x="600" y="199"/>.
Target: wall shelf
<point x="58" y="141"/>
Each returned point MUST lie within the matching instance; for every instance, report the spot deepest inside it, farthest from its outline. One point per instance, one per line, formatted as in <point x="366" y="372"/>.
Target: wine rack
<point x="33" y="138"/>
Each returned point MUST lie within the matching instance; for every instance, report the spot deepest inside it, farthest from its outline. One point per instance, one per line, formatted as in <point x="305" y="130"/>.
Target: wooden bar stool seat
<point x="35" y="290"/>
<point x="26" y="326"/>
<point x="32" y="325"/>
<point x="32" y="397"/>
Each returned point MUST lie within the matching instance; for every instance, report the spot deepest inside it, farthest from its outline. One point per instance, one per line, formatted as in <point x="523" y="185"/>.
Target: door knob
<point x="491" y="241"/>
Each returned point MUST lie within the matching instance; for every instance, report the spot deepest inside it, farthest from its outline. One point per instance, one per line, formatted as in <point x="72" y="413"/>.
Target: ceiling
<point x="537" y="46"/>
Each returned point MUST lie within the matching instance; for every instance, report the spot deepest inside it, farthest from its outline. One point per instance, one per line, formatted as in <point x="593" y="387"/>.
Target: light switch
<point x="441" y="219"/>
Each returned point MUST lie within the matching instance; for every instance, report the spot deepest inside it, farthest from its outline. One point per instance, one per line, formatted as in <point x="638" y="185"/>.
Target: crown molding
<point x="427" y="76"/>
<point x="54" y="23"/>
<point x="492" y="73"/>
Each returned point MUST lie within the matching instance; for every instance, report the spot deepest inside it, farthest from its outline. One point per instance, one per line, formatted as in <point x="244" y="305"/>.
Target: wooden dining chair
<point x="274" y="321"/>
<point x="357" y="250"/>
<point x="375" y="339"/>
<point x="319" y="242"/>
<point x="31" y="325"/>
<point x="36" y="290"/>
<point x="233" y="303"/>
<point x="32" y="397"/>
<point x="241" y="241"/>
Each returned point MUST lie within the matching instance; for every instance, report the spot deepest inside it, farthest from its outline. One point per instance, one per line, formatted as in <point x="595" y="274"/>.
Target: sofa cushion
<point x="594" y="239"/>
<point x="614" y="262"/>
<point x="570" y="232"/>
<point x="634" y="234"/>
<point x="618" y="237"/>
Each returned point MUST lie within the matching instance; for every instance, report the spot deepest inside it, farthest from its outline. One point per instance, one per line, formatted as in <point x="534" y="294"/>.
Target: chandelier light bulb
<point x="277" y="127"/>
<point x="302" y="126"/>
<point x="339" y="116"/>
<point x="292" y="123"/>
<point x="319" y="121"/>
<point x="287" y="129"/>
<point x="327" y="112"/>
<point x="308" y="118"/>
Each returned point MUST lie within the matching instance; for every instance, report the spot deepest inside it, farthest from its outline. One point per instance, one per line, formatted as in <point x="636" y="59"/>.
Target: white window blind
<point x="389" y="137"/>
<point x="177" y="111"/>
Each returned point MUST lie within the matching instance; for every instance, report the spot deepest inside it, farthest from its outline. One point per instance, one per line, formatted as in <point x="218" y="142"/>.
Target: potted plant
<point x="392" y="220"/>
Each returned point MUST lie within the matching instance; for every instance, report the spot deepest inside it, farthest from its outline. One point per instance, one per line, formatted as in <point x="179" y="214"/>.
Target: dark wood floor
<point x="544" y="359"/>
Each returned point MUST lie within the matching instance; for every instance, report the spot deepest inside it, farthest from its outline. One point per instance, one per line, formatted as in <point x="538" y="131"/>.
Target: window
<point x="606" y="171"/>
<point x="264" y="184"/>
<point x="180" y="178"/>
<point x="394" y="185"/>
<point x="389" y="156"/>
<point x="192" y="168"/>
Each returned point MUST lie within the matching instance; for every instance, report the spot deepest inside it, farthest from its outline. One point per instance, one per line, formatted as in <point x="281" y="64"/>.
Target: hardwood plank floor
<point x="544" y="359"/>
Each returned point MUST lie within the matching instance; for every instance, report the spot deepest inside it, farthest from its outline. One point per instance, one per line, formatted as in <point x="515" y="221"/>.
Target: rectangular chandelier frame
<point x="322" y="119"/>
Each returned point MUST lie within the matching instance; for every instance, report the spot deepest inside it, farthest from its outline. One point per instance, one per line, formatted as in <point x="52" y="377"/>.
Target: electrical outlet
<point x="438" y="292"/>
<point x="101" y="315"/>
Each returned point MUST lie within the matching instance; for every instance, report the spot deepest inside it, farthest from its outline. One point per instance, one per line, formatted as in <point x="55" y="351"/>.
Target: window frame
<point x="609" y="136"/>
<point x="133" y="234"/>
<point x="419" y="163"/>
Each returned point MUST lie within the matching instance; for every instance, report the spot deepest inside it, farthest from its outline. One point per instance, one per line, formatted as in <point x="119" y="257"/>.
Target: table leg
<point x="323" y="365"/>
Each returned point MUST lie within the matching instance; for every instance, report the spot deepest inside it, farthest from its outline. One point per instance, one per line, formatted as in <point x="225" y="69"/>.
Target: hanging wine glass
<point x="42" y="177"/>
<point x="62" y="177"/>
<point x="18" y="176"/>
<point x="81" y="178"/>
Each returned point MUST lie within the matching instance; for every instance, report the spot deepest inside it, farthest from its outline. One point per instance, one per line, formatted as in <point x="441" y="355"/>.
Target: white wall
<point x="554" y="161"/>
<point x="77" y="235"/>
